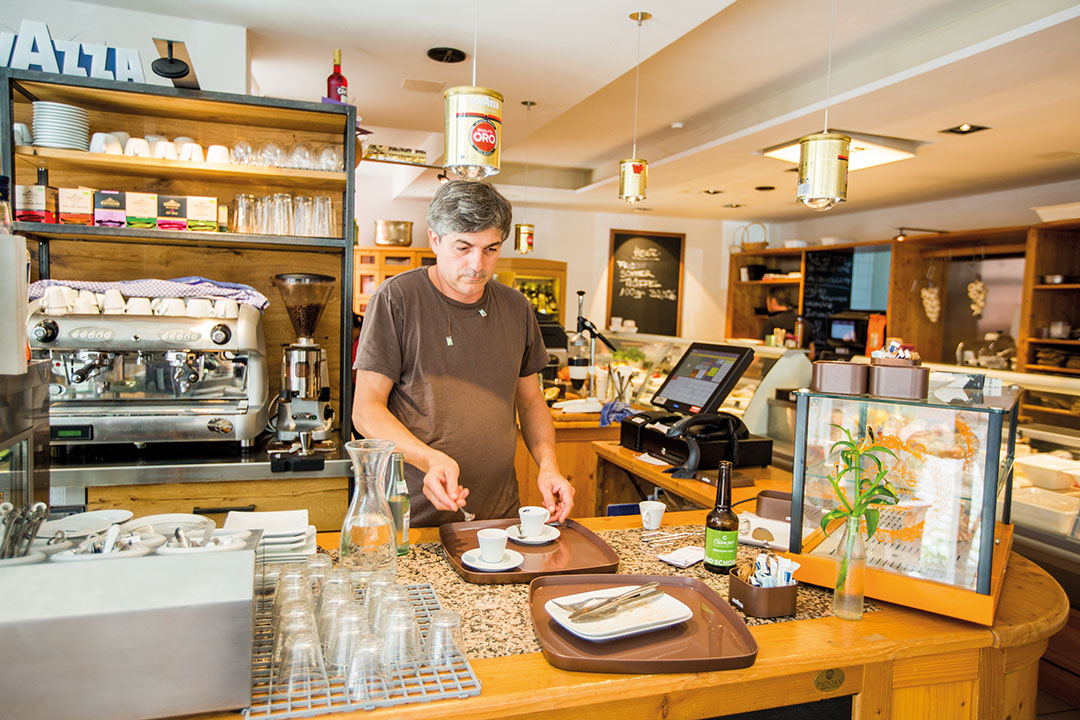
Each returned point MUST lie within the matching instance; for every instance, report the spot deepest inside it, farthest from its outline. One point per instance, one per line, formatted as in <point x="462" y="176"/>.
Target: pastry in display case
<point x="939" y="548"/>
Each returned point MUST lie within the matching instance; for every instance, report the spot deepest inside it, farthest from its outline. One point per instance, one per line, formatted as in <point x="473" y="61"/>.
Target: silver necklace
<point x="449" y="326"/>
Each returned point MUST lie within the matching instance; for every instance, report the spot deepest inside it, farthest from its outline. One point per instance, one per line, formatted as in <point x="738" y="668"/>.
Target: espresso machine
<point x="304" y="412"/>
<point x="148" y="378"/>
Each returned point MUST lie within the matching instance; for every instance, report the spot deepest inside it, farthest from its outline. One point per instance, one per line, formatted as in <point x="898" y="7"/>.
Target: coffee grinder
<point x="304" y="411"/>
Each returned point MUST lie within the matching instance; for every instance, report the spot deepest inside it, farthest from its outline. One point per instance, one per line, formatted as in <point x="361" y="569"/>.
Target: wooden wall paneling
<point x="1064" y="648"/>
<point x="326" y="499"/>
<point x="1027" y="297"/>
<point x="1059" y="682"/>
<point x="78" y="260"/>
<point x="951" y="700"/>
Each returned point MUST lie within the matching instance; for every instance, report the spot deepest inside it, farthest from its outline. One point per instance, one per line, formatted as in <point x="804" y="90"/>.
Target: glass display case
<point x="939" y="548"/>
<point x="24" y="436"/>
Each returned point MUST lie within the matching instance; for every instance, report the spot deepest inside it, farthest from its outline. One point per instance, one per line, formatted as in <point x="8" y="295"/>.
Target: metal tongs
<point x="602" y="607"/>
<point x="659" y="537"/>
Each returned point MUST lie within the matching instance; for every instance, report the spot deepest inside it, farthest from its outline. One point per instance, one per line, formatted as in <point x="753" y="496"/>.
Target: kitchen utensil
<point x="110" y="538"/>
<point x="393" y="232"/>
<point x="469" y="517"/>
<point x="661" y="611"/>
<point x="657" y="539"/>
<point x="596" y="602"/>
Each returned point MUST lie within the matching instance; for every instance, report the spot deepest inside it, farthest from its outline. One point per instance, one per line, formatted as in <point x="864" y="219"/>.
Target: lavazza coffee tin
<point x="473" y="131"/>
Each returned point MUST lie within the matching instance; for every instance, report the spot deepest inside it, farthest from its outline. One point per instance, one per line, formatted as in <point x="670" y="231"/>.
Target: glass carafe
<point x="367" y="536"/>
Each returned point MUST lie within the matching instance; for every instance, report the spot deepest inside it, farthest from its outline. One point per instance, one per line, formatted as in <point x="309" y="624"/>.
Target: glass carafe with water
<point x="367" y="536"/>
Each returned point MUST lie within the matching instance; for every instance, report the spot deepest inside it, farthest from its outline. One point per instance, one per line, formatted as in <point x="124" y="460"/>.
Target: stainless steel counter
<point x="90" y="466"/>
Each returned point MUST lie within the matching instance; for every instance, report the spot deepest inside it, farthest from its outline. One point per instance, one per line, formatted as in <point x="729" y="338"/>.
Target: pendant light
<point x="523" y="232"/>
<point x="473" y="119"/>
<point x="823" y="156"/>
<point x="633" y="170"/>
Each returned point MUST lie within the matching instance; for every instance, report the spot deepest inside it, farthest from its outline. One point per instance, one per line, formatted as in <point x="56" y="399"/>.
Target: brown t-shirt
<point x="456" y="398"/>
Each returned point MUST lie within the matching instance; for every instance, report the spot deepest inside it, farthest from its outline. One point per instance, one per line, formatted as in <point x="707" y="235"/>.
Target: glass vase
<point x="851" y="574"/>
<point x="367" y="535"/>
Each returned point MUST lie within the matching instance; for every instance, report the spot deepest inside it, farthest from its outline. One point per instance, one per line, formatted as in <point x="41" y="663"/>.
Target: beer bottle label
<point x="721" y="547"/>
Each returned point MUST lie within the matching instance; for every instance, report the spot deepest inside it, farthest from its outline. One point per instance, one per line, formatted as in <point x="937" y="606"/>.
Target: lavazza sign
<point x="34" y="49"/>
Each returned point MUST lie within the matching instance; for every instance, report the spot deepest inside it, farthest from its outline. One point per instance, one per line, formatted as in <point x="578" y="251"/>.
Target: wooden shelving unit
<point x="1052" y="249"/>
<point x="101" y="253"/>
<point x="746" y="298"/>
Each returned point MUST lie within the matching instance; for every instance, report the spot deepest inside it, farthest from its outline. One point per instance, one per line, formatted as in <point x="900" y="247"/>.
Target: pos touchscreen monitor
<point x="703" y="377"/>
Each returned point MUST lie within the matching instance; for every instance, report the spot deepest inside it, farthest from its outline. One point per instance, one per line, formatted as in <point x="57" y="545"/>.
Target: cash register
<point x="687" y="430"/>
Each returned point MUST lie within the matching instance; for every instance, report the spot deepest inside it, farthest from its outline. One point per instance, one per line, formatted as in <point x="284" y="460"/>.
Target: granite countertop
<point x="496" y="620"/>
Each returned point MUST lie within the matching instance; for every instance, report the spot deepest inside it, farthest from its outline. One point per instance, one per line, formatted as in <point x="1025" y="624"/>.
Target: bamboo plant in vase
<point x="861" y="471"/>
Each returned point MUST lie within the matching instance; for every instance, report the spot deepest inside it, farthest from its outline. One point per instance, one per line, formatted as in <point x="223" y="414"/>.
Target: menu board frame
<point x="663" y="250"/>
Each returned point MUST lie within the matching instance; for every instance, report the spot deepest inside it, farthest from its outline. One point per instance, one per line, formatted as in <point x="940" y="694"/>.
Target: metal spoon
<point x="469" y="517"/>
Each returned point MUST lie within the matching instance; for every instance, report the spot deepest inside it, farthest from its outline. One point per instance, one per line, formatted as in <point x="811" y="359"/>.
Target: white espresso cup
<point x="56" y="300"/>
<point x="199" y="308"/>
<point x="492" y="544"/>
<point x="172" y="306"/>
<point x="121" y="136"/>
<point x="652" y="512"/>
<point x="97" y="142"/>
<point x="191" y="152"/>
<point x="226" y="308"/>
<point x="139" y="306"/>
<point x="165" y="150"/>
<point x="532" y="519"/>
<point x="137" y="147"/>
<point x="217" y="154"/>
<point x="113" y="304"/>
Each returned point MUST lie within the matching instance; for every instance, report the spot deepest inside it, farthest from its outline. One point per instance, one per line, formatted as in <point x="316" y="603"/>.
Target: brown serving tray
<point x="716" y="638"/>
<point x="577" y="550"/>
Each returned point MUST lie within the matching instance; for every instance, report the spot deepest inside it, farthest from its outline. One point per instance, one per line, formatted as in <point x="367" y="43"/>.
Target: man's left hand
<point x="558" y="494"/>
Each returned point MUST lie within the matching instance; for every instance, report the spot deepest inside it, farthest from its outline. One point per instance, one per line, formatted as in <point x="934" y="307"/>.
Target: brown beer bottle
<point x="722" y="527"/>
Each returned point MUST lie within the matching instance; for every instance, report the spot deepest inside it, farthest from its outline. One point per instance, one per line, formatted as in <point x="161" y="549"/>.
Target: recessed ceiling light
<point x="711" y="192"/>
<point x="676" y="126"/>
<point x="734" y="205"/>
<point x="765" y="188"/>
<point x="964" y="129"/>
<point x="446" y="55"/>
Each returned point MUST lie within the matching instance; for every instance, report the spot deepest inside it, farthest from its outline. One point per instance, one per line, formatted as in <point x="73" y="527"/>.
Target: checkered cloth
<point x="152" y="288"/>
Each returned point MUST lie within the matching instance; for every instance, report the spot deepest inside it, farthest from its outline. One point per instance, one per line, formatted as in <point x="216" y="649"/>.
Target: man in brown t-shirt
<point x="445" y="357"/>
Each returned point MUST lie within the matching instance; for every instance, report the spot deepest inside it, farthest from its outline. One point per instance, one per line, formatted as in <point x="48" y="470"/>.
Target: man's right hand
<point x="441" y="484"/>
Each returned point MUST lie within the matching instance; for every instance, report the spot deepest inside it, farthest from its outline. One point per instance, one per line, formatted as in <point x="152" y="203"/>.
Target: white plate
<point x="85" y="147"/>
<point x="41" y="545"/>
<point x="28" y="559"/>
<point x="659" y="612"/>
<point x="287" y="540"/>
<point x="75" y="526"/>
<point x="304" y="546"/>
<point x="167" y="523"/>
<point x="510" y="559"/>
<point x="72" y="556"/>
<point x="113" y="516"/>
<point x="548" y="534"/>
<point x="280" y="523"/>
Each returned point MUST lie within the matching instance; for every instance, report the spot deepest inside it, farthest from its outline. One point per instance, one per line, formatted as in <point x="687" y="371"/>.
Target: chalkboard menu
<point x="826" y="290"/>
<point x="645" y="280"/>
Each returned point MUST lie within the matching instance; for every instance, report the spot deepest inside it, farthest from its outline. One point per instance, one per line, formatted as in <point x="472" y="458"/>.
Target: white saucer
<point x="510" y="559"/>
<point x="75" y="526"/>
<point x="548" y="534"/>
<point x="113" y="516"/>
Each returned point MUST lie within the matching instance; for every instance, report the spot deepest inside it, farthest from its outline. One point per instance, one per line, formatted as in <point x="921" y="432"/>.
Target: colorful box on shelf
<point x="35" y="203"/>
<point x="172" y="212"/>
<point x="142" y="210"/>
<point x="110" y="208"/>
<point x="202" y="213"/>
<point x="76" y="206"/>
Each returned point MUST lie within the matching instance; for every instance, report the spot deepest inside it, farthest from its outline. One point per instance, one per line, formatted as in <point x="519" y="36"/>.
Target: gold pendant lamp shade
<point x="633" y="175"/>
<point x="823" y="170"/>
<point x="523" y="238"/>
<point x="473" y="131"/>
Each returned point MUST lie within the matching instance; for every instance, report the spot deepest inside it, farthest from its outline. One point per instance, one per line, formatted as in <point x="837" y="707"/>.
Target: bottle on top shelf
<point x="337" y="87"/>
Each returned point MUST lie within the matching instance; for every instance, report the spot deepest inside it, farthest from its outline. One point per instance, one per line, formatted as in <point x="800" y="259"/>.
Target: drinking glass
<point x="333" y="598"/>
<point x="337" y="577"/>
<point x="349" y="624"/>
<point x="391" y="597"/>
<point x="367" y="535"/>
<point x="302" y="216"/>
<point x="295" y="616"/>
<point x="242" y="153"/>
<point x="401" y="640"/>
<point x="244" y="218"/>
<point x="330" y="159"/>
<point x="302" y="668"/>
<point x="445" y="646"/>
<point x="301" y="157"/>
<point x="367" y="680"/>
<point x="262" y="215"/>
<point x="377" y="581"/>
<point x="281" y="214"/>
<point x="322" y="214"/>
<point x="318" y="565"/>
<point x="271" y="154"/>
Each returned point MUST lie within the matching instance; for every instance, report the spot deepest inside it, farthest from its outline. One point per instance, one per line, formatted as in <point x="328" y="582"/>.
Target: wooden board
<point x="645" y="273"/>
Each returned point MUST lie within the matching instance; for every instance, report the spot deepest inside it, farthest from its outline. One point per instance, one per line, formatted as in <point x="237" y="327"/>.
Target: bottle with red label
<point x="337" y="87"/>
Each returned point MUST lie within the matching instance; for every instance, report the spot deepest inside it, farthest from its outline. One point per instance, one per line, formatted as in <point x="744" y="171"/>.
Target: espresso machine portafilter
<point x="304" y="412"/>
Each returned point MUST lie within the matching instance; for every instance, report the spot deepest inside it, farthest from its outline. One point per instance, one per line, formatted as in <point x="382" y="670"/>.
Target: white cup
<point x="71" y="294"/>
<point x="113" y="302"/>
<point x="532" y="519"/>
<point x="85" y="307"/>
<point x="652" y="512"/>
<point x="226" y="308"/>
<point x="22" y="134"/>
<point x="182" y="140"/>
<point x="56" y="300"/>
<point x="217" y="154"/>
<point x="97" y="142"/>
<point x="492" y="544"/>
<point x="137" y="147"/>
<point x="121" y="137"/>
<point x="199" y="308"/>
<point x="164" y="150"/>
<point x="191" y="152"/>
<point x="173" y="306"/>
<point x="138" y="306"/>
<point x="155" y="139"/>
<point x="88" y="296"/>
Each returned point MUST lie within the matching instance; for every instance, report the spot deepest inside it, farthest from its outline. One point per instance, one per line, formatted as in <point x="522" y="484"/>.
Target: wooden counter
<point x="897" y="663"/>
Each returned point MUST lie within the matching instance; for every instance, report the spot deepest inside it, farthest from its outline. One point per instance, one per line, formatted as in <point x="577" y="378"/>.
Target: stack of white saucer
<point x="287" y="536"/>
<point x="57" y="125"/>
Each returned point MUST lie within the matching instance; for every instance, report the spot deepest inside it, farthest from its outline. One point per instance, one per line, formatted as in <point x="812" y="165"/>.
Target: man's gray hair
<point x="461" y="206"/>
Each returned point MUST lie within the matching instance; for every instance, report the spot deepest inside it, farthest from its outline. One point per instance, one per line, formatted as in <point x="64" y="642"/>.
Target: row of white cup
<point x="157" y="146"/>
<point x="61" y="300"/>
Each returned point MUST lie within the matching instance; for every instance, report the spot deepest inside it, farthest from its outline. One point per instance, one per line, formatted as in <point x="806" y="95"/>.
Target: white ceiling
<point x="740" y="76"/>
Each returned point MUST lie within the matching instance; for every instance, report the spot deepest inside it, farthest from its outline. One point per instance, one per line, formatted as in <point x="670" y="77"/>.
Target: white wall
<point x="998" y="209"/>
<point x="582" y="240"/>
<point x="218" y="52"/>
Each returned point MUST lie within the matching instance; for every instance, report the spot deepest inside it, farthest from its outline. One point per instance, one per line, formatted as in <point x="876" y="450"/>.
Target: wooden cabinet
<point x="372" y="265"/>
<point x="326" y="499"/>
<point x="1052" y="249"/>
<point x="746" y="316"/>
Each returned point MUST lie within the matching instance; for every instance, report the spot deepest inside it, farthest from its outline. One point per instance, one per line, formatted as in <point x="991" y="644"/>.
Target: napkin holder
<point x="761" y="601"/>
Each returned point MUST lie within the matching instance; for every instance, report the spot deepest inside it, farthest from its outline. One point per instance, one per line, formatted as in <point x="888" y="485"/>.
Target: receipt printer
<point x="688" y="431"/>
